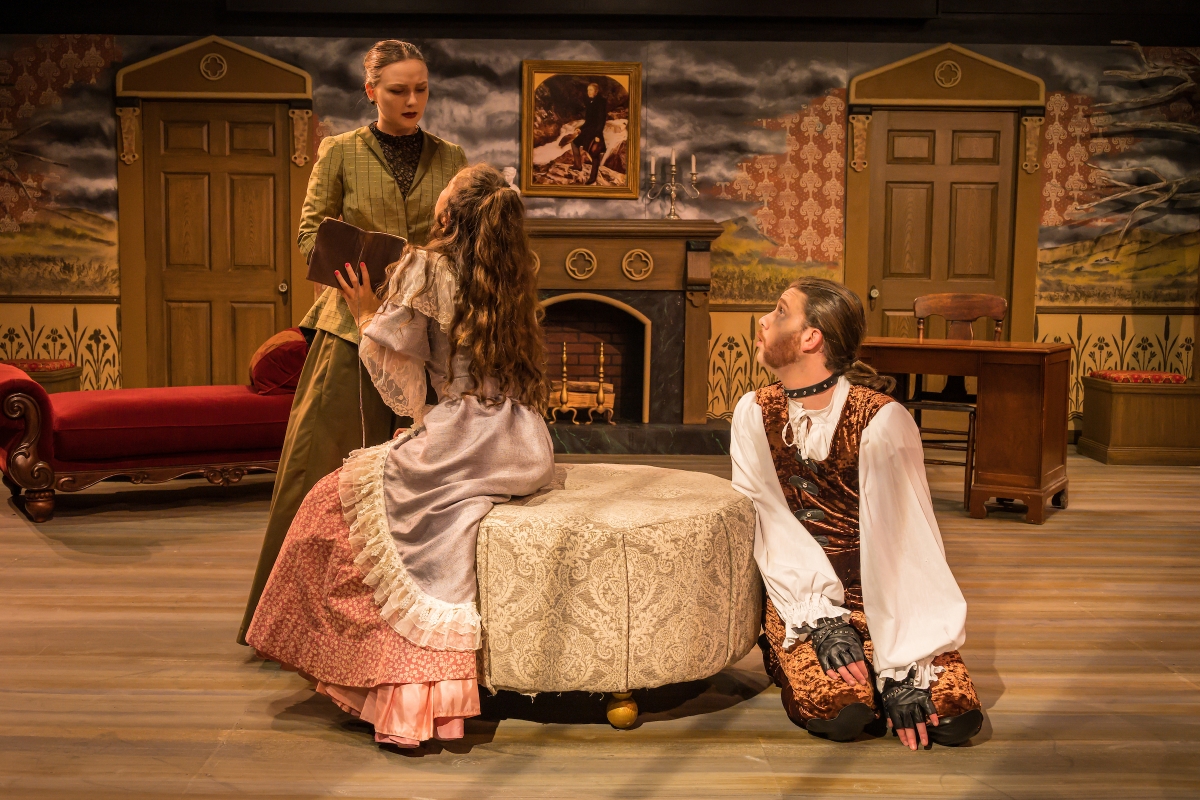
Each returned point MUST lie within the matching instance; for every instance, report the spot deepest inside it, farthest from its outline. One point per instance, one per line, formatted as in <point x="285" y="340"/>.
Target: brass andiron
<point x="564" y="401"/>
<point x="605" y="412"/>
<point x="573" y="397"/>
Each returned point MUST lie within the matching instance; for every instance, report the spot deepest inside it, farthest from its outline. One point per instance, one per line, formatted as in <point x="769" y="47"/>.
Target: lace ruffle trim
<point x="409" y="287"/>
<point x="807" y="612"/>
<point x="927" y="673"/>
<point x="423" y="620"/>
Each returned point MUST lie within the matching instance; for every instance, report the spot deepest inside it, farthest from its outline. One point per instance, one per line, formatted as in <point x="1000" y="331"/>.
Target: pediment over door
<point x="948" y="76"/>
<point x="214" y="69"/>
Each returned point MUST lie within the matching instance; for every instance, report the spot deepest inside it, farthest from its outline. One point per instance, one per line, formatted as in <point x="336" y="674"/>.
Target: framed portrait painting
<point x="579" y="128"/>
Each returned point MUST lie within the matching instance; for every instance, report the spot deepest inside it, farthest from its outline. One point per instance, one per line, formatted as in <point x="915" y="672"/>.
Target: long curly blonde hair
<point x="497" y="317"/>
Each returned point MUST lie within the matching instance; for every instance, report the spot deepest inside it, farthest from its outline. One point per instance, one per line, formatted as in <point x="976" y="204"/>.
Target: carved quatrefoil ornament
<point x="581" y="263"/>
<point x="947" y="74"/>
<point x="213" y="66"/>
<point x="637" y="264"/>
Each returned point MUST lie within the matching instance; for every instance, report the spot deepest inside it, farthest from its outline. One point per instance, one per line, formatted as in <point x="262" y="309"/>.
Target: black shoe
<point x="951" y="731"/>
<point x="848" y="724"/>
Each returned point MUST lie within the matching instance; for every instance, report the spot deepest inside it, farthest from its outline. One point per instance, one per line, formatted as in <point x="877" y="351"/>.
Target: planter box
<point x="1141" y="423"/>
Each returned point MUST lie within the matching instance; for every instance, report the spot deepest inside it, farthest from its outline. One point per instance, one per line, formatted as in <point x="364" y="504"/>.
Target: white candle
<point x="672" y="158"/>
<point x="693" y="162"/>
<point x="651" y="165"/>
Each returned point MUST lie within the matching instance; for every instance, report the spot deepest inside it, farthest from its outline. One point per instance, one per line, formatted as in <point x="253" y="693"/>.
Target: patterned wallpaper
<point x="89" y="335"/>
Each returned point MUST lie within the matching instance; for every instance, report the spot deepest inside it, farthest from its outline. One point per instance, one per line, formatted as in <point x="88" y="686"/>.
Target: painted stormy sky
<point x="698" y="97"/>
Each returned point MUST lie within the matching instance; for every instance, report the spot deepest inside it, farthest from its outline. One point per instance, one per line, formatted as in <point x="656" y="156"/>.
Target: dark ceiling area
<point x="1090" y="22"/>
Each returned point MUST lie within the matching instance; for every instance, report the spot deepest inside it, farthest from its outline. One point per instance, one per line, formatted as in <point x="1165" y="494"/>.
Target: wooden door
<point x="217" y="238"/>
<point x="941" y="211"/>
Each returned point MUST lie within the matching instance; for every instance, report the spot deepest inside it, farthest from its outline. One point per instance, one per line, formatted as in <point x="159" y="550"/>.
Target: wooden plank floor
<point x="119" y="676"/>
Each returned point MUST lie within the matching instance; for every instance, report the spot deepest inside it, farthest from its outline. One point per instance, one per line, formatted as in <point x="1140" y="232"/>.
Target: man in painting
<point x="863" y="618"/>
<point x="591" y="136"/>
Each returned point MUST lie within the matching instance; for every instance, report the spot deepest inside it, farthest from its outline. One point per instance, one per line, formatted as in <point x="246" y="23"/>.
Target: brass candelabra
<point x="671" y="186"/>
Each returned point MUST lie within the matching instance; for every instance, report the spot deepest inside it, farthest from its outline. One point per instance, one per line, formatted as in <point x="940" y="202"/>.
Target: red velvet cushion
<point x="38" y="364"/>
<point x="276" y="364"/>
<point x="121" y="423"/>
<point x="1137" y="376"/>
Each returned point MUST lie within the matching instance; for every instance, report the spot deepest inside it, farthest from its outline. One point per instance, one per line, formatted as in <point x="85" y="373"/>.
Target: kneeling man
<point x="863" y="618"/>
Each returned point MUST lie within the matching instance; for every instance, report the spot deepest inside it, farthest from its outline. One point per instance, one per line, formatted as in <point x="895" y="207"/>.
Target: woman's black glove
<point x="907" y="708"/>
<point x="840" y="650"/>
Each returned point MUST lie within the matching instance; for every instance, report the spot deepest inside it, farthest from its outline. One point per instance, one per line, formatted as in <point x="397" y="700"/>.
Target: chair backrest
<point x="960" y="312"/>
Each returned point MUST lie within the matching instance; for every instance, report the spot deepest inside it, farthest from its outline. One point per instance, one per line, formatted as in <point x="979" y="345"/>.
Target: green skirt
<point x="323" y="427"/>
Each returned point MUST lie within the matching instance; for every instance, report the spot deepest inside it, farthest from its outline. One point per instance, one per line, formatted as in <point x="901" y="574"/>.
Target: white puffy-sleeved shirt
<point x="914" y="608"/>
<point x="407" y="336"/>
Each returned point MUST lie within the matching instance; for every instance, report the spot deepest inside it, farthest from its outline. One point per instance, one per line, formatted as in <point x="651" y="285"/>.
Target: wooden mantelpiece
<point x="606" y="256"/>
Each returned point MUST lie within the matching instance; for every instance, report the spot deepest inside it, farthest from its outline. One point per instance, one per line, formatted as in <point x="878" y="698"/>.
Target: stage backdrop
<point x="767" y="123"/>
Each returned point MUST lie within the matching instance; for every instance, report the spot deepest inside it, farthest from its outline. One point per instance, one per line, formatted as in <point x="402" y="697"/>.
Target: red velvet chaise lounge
<point x="69" y="441"/>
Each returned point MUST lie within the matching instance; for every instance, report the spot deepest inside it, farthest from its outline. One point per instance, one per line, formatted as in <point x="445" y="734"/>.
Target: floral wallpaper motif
<point x="1164" y="343"/>
<point x="1073" y="137"/>
<point x="733" y="369"/>
<point x="806" y="179"/>
<point x="87" y="335"/>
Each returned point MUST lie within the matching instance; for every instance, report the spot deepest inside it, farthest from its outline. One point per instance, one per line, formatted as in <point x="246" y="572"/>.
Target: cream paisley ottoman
<point x="617" y="578"/>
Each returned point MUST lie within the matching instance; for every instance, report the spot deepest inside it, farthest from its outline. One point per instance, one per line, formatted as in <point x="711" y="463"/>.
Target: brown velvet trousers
<point x="808" y="693"/>
<point x="324" y="426"/>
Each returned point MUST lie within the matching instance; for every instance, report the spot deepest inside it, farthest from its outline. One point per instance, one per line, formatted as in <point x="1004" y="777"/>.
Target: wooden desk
<point x="1021" y="416"/>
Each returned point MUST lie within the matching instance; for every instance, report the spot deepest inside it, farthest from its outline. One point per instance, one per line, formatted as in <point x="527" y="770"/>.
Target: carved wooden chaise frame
<point x="25" y="471"/>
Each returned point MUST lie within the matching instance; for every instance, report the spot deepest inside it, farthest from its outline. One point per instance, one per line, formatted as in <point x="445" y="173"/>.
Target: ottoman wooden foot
<point x="622" y="710"/>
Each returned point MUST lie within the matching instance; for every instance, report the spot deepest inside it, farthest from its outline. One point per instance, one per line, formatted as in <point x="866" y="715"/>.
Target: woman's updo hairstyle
<point x="838" y="314"/>
<point x="388" y="51"/>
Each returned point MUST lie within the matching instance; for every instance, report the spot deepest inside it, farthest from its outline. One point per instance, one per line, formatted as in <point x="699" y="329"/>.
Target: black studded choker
<point x="816" y="388"/>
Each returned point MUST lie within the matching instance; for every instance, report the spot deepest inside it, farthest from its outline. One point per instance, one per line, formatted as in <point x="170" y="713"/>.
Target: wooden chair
<point x="960" y="312"/>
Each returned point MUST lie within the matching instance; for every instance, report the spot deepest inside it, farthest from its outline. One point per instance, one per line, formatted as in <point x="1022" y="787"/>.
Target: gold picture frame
<point x="559" y="106"/>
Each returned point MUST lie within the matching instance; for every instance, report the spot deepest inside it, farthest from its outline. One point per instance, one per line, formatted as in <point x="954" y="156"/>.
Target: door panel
<point x="900" y="323"/>
<point x="253" y="324"/>
<point x="252" y="138"/>
<point x="185" y="221"/>
<point x="252" y="221"/>
<point x="907" y="229"/>
<point x="911" y="147"/>
<point x="217" y="240"/>
<point x="183" y="137"/>
<point x="941" y="209"/>
<point x="189" y="332"/>
<point x="972" y="230"/>
<point x="976" y="147"/>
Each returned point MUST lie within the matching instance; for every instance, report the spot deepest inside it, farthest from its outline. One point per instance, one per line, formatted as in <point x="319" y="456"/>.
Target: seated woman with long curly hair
<point x="373" y="595"/>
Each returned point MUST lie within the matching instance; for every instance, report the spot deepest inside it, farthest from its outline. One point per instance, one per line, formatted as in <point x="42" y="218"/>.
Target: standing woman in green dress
<point x="385" y="176"/>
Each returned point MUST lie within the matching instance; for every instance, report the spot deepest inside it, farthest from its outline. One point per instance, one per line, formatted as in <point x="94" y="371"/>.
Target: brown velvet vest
<point x="829" y="486"/>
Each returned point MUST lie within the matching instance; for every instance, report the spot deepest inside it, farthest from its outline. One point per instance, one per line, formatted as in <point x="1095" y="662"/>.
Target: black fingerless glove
<point x="837" y="643"/>
<point x="906" y="705"/>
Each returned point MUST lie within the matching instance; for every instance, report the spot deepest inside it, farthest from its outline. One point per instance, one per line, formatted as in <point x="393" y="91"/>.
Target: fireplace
<point x="640" y="287"/>
<point x="576" y="324"/>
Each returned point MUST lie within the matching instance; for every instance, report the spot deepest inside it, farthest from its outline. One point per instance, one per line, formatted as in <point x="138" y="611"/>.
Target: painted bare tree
<point x="1167" y="113"/>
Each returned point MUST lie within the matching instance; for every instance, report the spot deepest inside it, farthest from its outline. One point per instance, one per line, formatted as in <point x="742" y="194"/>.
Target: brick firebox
<point x="582" y="325"/>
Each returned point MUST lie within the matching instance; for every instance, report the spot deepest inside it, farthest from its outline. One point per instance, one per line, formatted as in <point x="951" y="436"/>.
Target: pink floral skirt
<point x="317" y="617"/>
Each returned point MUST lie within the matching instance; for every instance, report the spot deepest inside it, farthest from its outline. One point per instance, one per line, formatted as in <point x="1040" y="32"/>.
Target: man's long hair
<point x="838" y="314"/>
<point x="497" y="318"/>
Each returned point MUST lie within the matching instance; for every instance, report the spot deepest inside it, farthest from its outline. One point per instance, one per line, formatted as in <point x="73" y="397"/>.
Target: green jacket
<point x="352" y="180"/>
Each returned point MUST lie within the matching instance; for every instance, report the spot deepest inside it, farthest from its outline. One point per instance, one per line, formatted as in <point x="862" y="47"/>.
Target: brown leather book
<point x="340" y="243"/>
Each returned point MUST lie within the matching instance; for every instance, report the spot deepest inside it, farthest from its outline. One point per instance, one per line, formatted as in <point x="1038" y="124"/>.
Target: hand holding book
<point x="355" y="286"/>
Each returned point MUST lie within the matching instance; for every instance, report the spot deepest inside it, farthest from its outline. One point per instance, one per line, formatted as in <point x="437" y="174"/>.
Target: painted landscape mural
<point x="1120" y="224"/>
